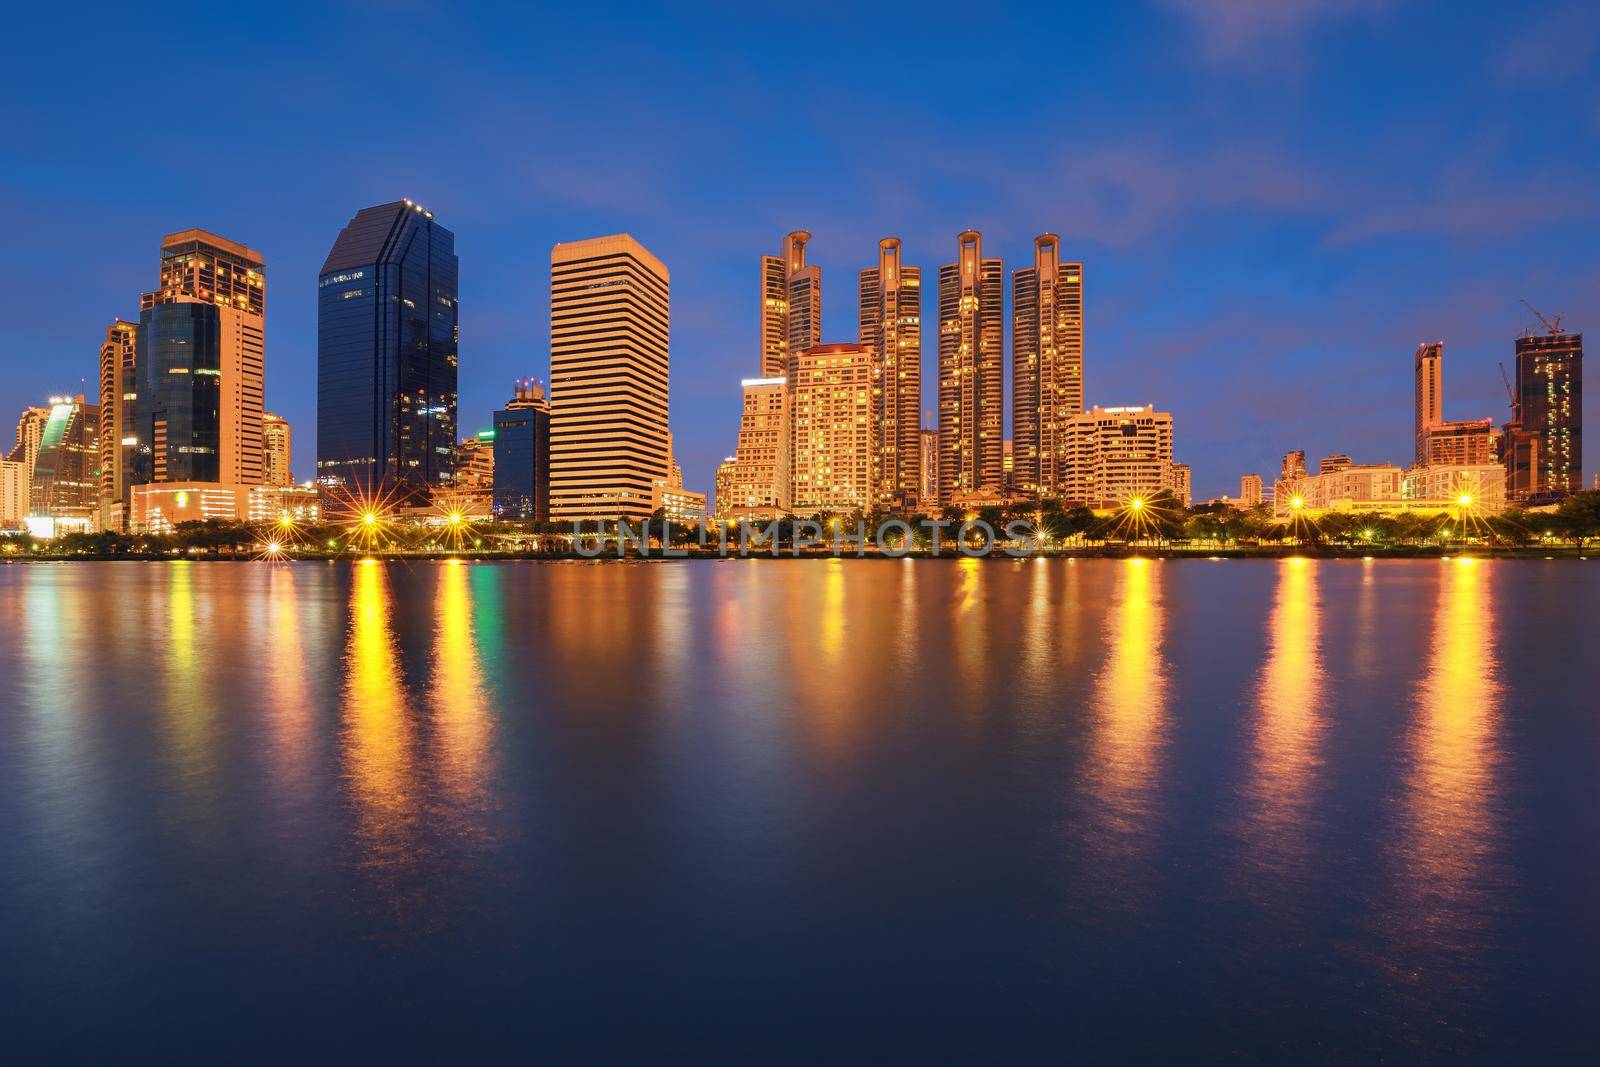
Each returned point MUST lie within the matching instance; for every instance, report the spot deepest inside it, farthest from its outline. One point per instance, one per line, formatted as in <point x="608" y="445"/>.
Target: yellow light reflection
<point x="1451" y="792"/>
<point x="377" y="743"/>
<point x="286" y="678"/>
<point x="1123" y="764"/>
<point x="462" y="721"/>
<point x="1288" y="723"/>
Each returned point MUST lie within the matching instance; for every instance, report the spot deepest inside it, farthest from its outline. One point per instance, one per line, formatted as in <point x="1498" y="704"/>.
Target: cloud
<point x="1257" y="34"/>
<point x="1552" y="47"/>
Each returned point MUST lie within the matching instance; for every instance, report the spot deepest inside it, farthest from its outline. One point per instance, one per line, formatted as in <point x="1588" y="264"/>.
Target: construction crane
<point x="1553" y="327"/>
<point x="1511" y="394"/>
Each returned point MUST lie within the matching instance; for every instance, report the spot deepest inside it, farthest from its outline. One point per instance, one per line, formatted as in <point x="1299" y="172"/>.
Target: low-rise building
<point x="159" y="507"/>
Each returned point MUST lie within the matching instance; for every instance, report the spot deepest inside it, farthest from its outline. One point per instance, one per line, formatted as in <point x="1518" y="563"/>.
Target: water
<point x="761" y="811"/>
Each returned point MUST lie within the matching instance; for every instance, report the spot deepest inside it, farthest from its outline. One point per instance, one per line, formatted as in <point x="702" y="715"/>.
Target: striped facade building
<point x="609" y="331"/>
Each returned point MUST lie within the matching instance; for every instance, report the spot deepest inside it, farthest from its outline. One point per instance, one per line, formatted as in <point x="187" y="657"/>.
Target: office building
<point x="1250" y="490"/>
<point x="1046" y="367"/>
<point x="1179" y="481"/>
<point x="1462" y="443"/>
<point x="722" y="484"/>
<point x="971" y="372"/>
<point x="387" y="320"/>
<point x="609" y="330"/>
<point x="1481" y="486"/>
<point x="118" y="416"/>
<point x="30" y="431"/>
<point x="1544" y="441"/>
<point x="277" y="441"/>
<point x="685" y="507"/>
<point x="1351" y="487"/>
<point x="757" y="479"/>
<point x="1428" y="394"/>
<point x="791" y="305"/>
<point x="1440" y="442"/>
<point x="200" y="364"/>
<point x="521" y="476"/>
<point x="834" y="429"/>
<point x="15" y="481"/>
<point x="65" y="480"/>
<point x="891" y="325"/>
<point x="1118" y="453"/>
<point x="159" y="507"/>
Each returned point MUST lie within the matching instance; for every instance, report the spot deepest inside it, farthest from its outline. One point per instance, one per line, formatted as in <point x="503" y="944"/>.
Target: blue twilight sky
<point x="1275" y="201"/>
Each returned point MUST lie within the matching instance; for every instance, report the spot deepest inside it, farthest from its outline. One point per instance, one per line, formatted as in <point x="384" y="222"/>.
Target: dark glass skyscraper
<point x="1544" y="443"/>
<point x="386" y="354"/>
<point x="522" y="456"/>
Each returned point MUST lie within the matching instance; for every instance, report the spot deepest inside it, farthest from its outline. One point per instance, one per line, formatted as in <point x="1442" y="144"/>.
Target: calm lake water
<point x="763" y="811"/>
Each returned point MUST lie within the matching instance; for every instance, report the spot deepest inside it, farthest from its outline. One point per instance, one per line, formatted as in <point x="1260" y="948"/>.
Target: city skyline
<point x="1227" y="271"/>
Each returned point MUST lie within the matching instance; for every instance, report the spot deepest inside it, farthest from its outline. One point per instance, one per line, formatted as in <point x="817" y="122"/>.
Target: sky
<point x="1274" y="202"/>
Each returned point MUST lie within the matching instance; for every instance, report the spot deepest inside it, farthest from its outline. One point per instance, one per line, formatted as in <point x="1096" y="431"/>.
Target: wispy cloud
<point x="1263" y="34"/>
<point x="1552" y="46"/>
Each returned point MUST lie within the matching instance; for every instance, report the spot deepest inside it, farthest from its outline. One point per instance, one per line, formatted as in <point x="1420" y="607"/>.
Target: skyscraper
<point x="834" y="431"/>
<point x="277" y="440"/>
<point x="791" y="305"/>
<point x="891" y="325"/>
<point x="387" y="323"/>
<point x="1429" y="394"/>
<point x="1046" y="366"/>
<point x="971" y="372"/>
<point x="609" y="355"/>
<point x="1441" y="442"/>
<point x="1544" y="454"/>
<point x="118" y="416"/>
<point x="200" y="364"/>
<point x="1249" y="490"/>
<point x="522" y="455"/>
<point x="756" y="483"/>
<point x="66" y="472"/>
<point x="1294" y="466"/>
<point x="30" y="430"/>
<point x="928" y="486"/>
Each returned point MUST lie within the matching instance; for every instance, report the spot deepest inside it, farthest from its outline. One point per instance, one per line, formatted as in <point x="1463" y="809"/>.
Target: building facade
<point x="1462" y="443"/>
<point x="1118" y="453"/>
<point x="522" y="455"/>
<point x="834" y="429"/>
<point x="160" y="506"/>
<point x="1046" y="367"/>
<point x="791" y="305"/>
<point x="30" y="431"/>
<point x="1544" y="442"/>
<point x="928" y="484"/>
<point x="757" y="479"/>
<point x="609" y="358"/>
<point x="65" y="480"/>
<point x="1428" y="394"/>
<point x="277" y="443"/>
<point x="891" y="325"/>
<point x="118" y="416"/>
<point x="15" y="482"/>
<point x="200" y="364"/>
<point x="387" y="326"/>
<point x="1250" y="490"/>
<point x="971" y="372"/>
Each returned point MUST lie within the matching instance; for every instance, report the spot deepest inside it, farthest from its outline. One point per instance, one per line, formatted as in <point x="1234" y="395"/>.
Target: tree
<point x="1579" y="516"/>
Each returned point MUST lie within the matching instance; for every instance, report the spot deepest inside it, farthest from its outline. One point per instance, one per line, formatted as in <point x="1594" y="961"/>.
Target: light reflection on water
<point x="1287" y="728"/>
<point x="1269" y="796"/>
<point x="1446" y="855"/>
